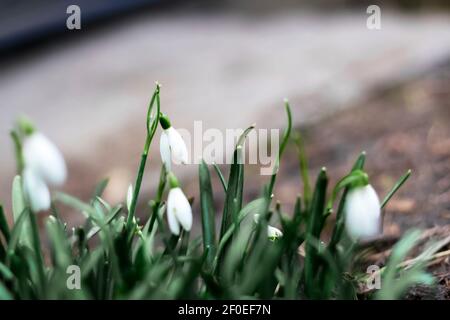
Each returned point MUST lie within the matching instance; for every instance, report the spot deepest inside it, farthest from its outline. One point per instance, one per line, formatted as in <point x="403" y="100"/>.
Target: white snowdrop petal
<point x="177" y="146"/>
<point x="174" y="226"/>
<point x="362" y="212"/>
<point x="129" y="197"/>
<point x="180" y="207"/>
<point x="36" y="191"/>
<point x="273" y="232"/>
<point x="44" y="158"/>
<point x="164" y="149"/>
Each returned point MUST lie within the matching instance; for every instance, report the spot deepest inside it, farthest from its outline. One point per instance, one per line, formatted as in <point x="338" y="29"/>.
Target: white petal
<point x="177" y="146"/>
<point x="42" y="156"/>
<point x="164" y="149"/>
<point x="178" y="204"/>
<point x="129" y="197"/>
<point x="362" y="212"/>
<point x="36" y="190"/>
<point x="273" y="233"/>
<point x="174" y="226"/>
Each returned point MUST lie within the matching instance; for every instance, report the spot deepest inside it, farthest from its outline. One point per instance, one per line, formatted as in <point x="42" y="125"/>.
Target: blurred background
<point x="230" y="64"/>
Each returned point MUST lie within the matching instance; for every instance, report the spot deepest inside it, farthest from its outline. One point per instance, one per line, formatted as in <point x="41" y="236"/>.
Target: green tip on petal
<point x="164" y="121"/>
<point x="173" y="181"/>
<point x="26" y="126"/>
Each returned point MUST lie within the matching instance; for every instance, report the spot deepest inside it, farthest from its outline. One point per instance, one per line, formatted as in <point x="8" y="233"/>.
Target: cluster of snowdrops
<point x="121" y="257"/>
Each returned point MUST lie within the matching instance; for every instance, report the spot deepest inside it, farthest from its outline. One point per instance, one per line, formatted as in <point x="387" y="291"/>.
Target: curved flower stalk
<point x="273" y="233"/>
<point x="179" y="211"/>
<point x="44" y="165"/>
<point x="172" y="146"/>
<point x="363" y="212"/>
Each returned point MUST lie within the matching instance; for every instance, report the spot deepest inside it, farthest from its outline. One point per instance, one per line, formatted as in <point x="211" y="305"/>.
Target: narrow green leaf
<point x="303" y="162"/>
<point x="100" y="188"/>
<point x="340" y="218"/>
<point x="4" y="228"/>
<point x="359" y="163"/>
<point x="18" y="150"/>
<point x="256" y="206"/>
<point x="314" y="228"/>
<point x="87" y="210"/>
<point x="17" y="230"/>
<point x="18" y="205"/>
<point x="221" y="177"/>
<point x="397" y="186"/>
<point x="235" y="185"/>
<point x="208" y="213"/>
<point x="4" y="293"/>
<point x="60" y="247"/>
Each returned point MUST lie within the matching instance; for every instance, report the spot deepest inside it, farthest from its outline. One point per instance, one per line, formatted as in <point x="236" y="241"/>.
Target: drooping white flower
<point x="272" y="232"/>
<point x="171" y="145"/>
<point x="36" y="190"/>
<point x="179" y="211"/>
<point x="362" y="212"/>
<point x="173" y="148"/>
<point x="43" y="158"/>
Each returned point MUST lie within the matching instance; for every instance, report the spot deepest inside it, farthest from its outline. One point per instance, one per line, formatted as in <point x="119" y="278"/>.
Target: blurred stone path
<point x="90" y="96"/>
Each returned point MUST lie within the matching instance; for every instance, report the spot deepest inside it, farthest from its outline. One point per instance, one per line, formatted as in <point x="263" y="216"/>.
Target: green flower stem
<point x="156" y="204"/>
<point x="18" y="151"/>
<point x="286" y="135"/>
<point x="151" y="129"/>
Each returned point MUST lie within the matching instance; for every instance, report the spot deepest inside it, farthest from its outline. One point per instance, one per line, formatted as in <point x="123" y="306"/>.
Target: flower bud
<point x="362" y="212"/>
<point x="179" y="211"/>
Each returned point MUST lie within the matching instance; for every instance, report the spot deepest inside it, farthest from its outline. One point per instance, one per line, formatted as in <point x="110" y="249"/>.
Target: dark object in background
<point x="25" y="23"/>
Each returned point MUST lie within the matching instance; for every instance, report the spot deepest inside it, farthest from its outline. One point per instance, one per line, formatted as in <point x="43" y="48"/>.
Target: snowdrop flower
<point x="44" y="159"/>
<point x="272" y="232"/>
<point x="44" y="164"/>
<point x="129" y="197"/>
<point x="171" y="144"/>
<point x="363" y="212"/>
<point x="36" y="190"/>
<point x="179" y="211"/>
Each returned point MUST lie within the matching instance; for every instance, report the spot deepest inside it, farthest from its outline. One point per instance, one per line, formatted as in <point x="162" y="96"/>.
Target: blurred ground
<point x="228" y="70"/>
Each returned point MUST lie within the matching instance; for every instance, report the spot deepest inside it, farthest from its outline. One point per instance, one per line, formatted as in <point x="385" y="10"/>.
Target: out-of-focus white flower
<point x="44" y="164"/>
<point x="272" y="232"/>
<point x="362" y="212"/>
<point x="171" y="145"/>
<point x="43" y="158"/>
<point x="129" y="197"/>
<point x="36" y="191"/>
<point x="179" y="211"/>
